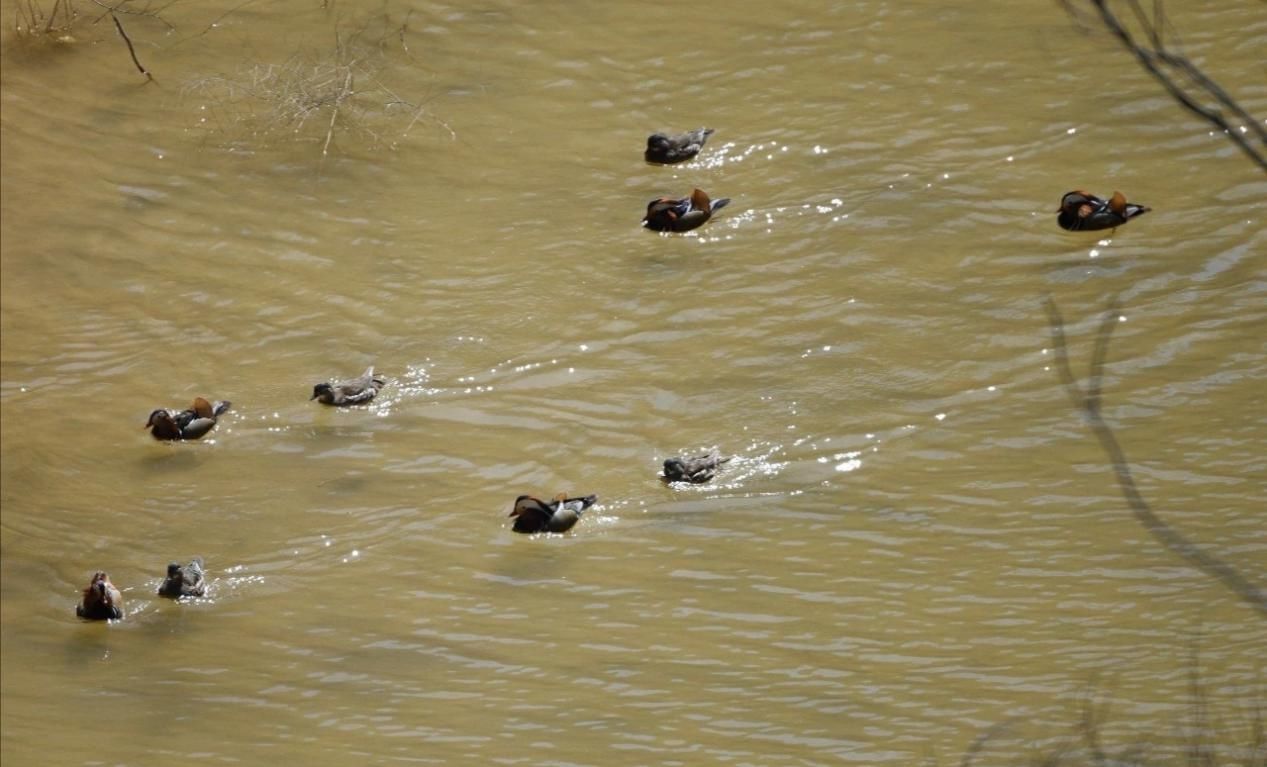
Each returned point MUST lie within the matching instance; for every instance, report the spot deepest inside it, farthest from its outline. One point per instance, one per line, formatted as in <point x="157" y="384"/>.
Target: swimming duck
<point x="663" y="148"/>
<point x="102" y="601"/>
<point x="669" y="215"/>
<point x="352" y="392"/>
<point x="1080" y="211"/>
<point x="186" y="424"/>
<point x="184" y="581"/>
<point x="695" y="470"/>
<point x="533" y="515"/>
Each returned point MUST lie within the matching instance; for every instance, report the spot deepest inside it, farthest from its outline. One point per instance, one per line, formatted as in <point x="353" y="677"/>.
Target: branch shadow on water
<point x="1083" y="746"/>
<point x="1089" y="401"/>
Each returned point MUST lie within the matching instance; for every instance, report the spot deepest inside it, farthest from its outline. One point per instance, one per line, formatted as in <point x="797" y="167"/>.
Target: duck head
<point x="163" y="425"/>
<point x="100" y="590"/>
<point x="674" y="469"/>
<point x="322" y="391"/>
<point x="532" y="515"/>
<point x="658" y="142"/>
<point x="526" y="504"/>
<point x="1074" y="202"/>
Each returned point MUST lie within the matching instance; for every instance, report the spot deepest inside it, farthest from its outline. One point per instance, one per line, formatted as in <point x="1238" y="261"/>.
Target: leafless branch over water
<point x="1184" y="81"/>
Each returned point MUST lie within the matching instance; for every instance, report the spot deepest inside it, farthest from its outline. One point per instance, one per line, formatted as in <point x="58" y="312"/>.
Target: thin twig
<point x="52" y="16"/>
<point x="119" y="26"/>
<point x="112" y="9"/>
<point x="1258" y="742"/>
<point x="334" y="113"/>
<point x="1089" y="404"/>
<point x="1093" y="717"/>
<point x="403" y="26"/>
<point x="213" y="23"/>
<point x="1199" y="751"/>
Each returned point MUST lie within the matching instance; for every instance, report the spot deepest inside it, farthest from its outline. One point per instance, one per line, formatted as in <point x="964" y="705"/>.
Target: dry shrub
<point x="318" y="97"/>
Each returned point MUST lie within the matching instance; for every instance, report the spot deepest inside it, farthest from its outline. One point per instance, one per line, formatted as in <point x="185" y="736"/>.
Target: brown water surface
<point x="919" y="545"/>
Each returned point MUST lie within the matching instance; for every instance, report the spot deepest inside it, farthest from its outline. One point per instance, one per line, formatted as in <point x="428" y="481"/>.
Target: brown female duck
<point x="354" y="391"/>
<point x="187" y="581"/>
<point x="667" y="149"/>
<point x="695" y="470"/>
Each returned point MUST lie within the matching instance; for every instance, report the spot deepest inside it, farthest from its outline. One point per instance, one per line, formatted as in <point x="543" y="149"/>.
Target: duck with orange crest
<point x="666" y="214"/>
<point x="193" y="423"/>
<point x="533" y="515"/>
<point x="1080" y="211"/>
<point x="102" y="601"/>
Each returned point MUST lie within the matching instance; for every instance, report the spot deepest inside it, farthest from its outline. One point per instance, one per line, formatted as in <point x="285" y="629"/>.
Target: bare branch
<point x="1157" y="59"/>
<point x="52" y="16"/>
<point x="213" y="23"/>
<point x="119" y="26"/>
<point x="334" y="113"/>
<point x="110" y="10"/>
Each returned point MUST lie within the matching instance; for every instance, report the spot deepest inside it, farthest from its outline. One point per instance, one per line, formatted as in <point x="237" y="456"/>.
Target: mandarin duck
<point x="102" y="601"/>
<point x="1080" y="211"/>
<point x="533" y="515"/>
<point x="186" y="424"/>
<point x="669" y="215"/>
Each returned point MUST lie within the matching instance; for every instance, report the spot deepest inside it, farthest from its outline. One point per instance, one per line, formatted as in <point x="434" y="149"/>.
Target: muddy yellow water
<point x="919" y="551"/>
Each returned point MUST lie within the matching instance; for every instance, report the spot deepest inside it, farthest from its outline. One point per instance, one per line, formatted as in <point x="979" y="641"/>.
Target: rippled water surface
<point x="919" y="550"/>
